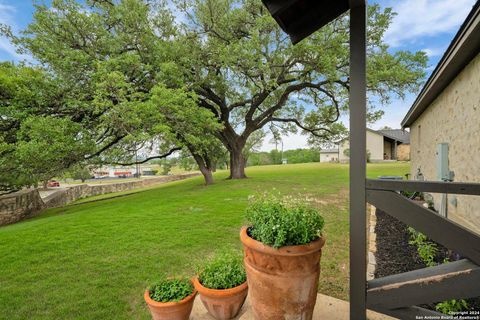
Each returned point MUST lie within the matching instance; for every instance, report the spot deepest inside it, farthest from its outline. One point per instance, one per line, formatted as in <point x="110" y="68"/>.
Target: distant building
<point x="444" y="122"/>
<point x="121" y="172"/>
<point x="329" y="155"/>
<point x="382" y="145"/>
<point x="396" y="144"/>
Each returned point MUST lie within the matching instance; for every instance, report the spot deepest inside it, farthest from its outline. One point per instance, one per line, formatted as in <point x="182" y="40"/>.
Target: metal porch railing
<point x="398" y="295"/>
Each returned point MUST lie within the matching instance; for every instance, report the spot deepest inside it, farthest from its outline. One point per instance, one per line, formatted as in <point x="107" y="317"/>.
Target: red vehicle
<point x="53" y="183"/>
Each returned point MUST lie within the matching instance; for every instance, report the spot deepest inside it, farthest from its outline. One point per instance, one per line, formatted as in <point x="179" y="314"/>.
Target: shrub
<point x="166" y="168"/>
<point x="171" y="290"/>
<point x="283" y="222"/>
<point x="224" y="271"/>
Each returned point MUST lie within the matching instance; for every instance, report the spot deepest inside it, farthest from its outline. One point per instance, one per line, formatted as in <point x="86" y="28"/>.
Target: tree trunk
<point x="207" y="175"/>
<point x="204" y="166"/>
<point x="237" y="164"/>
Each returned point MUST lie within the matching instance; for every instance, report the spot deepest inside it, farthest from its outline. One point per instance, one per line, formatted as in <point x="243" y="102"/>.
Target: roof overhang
<point x="301" y="18"/>
<point x="464" y="47"/>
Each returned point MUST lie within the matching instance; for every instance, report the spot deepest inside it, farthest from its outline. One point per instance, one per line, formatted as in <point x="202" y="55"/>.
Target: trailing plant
<point x="427" y="250"/>
<point x="224" y="271"/>
<point x="281" y="222"/>
<point x="171" y="290"/>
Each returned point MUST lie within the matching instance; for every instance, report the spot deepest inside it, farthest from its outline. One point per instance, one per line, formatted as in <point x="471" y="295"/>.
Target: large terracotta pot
<point x="282" y="282"/>
<point x="222" y="304"/>
<point x="170" y="310"/>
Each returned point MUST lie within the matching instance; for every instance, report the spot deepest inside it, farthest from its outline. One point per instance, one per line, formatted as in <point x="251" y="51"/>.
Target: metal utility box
<point x="443" y="173"/>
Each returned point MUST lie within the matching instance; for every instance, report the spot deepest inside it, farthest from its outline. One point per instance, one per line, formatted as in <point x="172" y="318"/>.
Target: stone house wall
<point x="403" y="152"/>
<point x="453" y="118"/>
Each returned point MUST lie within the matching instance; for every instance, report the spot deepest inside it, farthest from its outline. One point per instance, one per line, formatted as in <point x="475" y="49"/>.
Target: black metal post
<point x="358" y="159"/>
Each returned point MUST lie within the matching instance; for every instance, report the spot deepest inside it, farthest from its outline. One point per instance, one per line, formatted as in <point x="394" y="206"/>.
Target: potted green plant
<point x="282" y="249"/>
<point x="222" y="285"/>
<point x="171" y="299"/>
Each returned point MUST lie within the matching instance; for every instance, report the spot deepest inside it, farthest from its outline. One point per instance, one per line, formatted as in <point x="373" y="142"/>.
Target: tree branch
<point x="313" y="131"/>
<point x="161" y="156"/>
<point x="260" y="120"/>
<point x="105" y="147"/>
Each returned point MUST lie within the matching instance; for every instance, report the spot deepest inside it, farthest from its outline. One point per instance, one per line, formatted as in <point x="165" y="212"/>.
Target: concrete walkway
<point x="326" y="308"/>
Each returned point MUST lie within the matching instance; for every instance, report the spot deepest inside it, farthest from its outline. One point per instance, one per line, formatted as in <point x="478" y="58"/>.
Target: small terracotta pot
<point x="282" y="282"/>
<point x="170" y="310"/>
<point x="222" y="304"/>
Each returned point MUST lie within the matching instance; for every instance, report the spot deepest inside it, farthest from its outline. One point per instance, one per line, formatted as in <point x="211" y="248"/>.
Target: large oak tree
<point x="249" y="75"/>
<point x="102" y="66"/>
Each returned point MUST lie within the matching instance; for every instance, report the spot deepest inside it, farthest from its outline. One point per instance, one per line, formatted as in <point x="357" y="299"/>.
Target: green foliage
<point x="187" y="162"/>
<point x="234" y="56"/>
<point x="224" y="271"/>
<point x="428" y="251"/>
<point x="25" y="93"/>
<point x="171" y="290"/>
<point x="80" y="172"/>
<point x="281" y="222"/>
<point x="275" y="157"/>
<point x="452" y="306"/>
<point x="166" y="166"/>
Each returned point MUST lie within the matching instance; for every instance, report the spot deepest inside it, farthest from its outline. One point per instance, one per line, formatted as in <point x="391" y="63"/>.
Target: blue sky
<point x="427" y="25"/>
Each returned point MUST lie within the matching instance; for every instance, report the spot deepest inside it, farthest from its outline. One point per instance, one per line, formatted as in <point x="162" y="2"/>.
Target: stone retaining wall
<point x="19" y="205"/>
<point x="28" y="203"/>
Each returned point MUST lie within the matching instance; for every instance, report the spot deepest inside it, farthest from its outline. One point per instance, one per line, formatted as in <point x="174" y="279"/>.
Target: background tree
<point x="253" y="144"/>
<point x="48" y="146"/>
<point x="35" y="146"/>
<point x="104" y="59"/>
<point x="246" y="72"/>
<point x="80" y="172"/>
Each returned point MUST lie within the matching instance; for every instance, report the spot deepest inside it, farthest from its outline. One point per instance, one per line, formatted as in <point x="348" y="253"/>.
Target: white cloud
<point x="7" y="17"/>
<point x="420" y="18"/>
<point x="6" y="13"/>
<point x="434" y="52"/>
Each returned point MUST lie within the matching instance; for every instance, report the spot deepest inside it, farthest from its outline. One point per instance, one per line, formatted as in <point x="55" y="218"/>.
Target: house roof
<point x="396" y="134"/>
<point x="400" y="135"/>
<point x="329" y="151"/>
<point x="464" y="47"/>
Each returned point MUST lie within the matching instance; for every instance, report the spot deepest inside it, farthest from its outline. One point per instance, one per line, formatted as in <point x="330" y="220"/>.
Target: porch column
<point x="394" y="150"/>
<point x="358" y="159"/>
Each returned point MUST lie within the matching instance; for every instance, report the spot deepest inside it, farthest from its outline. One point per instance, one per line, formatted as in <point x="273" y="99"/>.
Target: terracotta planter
<point x="170" y="310"/>
<point x="222" y="304"/>
<point x="282" y="282"/>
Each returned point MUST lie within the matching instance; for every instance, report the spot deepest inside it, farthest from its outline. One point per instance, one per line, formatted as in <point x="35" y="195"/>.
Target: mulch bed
<point x="395" y="255"/>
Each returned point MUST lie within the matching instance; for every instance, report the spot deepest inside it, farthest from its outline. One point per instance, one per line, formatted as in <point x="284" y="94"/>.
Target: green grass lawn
<point x="94" y="260"/>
